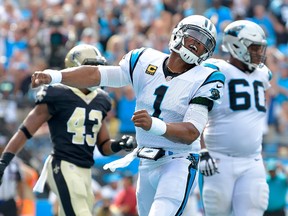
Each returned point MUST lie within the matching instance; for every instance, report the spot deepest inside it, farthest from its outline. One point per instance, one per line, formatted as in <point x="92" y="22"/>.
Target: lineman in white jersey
<point x="174" y="94"/>
<point x="233" y="134"/>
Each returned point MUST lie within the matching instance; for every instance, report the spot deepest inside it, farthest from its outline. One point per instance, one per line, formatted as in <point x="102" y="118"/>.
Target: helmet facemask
<point x="201" y="30"/>
<point x="248" y="52"/>
<point x="257" y="54"/>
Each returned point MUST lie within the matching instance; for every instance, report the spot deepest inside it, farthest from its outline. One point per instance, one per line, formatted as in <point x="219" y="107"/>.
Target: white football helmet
<point x="241" y="34"/>
<point x="84" y="54"/>
<point x="199" y="28"/>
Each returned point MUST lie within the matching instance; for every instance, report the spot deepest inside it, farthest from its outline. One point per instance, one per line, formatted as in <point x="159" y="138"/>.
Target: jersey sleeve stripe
<point x="202" y="101"/>
<point x="216" y="76"/>
<point x="135" y="55"/>
<point x="215" y="67"/>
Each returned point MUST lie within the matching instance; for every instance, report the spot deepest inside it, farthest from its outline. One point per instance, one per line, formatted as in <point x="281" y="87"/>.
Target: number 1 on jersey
<point x="160" y="93"/>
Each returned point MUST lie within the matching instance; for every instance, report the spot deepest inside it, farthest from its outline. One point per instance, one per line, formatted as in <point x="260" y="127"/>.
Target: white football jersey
<point x="168" y="98"/>
<point x="235" y="126"/>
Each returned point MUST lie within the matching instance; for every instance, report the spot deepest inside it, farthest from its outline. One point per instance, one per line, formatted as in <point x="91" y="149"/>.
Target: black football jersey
<point x="76" y="120"/>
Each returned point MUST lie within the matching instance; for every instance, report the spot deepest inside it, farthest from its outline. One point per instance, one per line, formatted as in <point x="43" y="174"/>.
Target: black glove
<point x="208" y="165"/>
<point x="127" y="143"/>
<point x="4" y="162"/>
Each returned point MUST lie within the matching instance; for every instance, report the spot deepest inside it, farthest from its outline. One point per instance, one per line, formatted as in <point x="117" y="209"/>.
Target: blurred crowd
<point x="37" y="34"/>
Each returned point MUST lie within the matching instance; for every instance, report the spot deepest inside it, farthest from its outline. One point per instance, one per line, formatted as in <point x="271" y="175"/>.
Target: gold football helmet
<point x="84" y="54"/>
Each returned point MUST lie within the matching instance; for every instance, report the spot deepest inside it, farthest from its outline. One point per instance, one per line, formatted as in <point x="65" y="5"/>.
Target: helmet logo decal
<point x="206" y="23"/>
<point x="235" y="31"/>
<point x="215" y="94"/>
<point x="74" y="55"/>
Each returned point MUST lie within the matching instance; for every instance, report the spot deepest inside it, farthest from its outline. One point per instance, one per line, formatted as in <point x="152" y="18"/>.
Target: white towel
<point x="39" y="186"/>
<point x="122" y="162"/>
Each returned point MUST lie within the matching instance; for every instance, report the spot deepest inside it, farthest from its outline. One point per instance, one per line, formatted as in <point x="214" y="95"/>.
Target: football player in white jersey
<point x="232" y="165"/>
<point x="174" y="94"/>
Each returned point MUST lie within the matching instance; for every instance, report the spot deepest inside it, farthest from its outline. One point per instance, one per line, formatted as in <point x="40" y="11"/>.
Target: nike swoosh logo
<point x="219" y="86"/>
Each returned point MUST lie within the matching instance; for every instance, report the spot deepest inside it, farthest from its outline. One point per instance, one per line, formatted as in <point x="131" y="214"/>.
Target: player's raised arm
<point x="79" y="77"/>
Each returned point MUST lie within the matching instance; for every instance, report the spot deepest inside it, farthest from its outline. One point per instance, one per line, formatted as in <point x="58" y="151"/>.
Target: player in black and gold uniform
<point x="76" y="121"/>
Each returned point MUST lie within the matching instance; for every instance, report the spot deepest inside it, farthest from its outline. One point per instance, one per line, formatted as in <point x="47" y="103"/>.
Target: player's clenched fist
<point x="142" y="119"/>
<point x="45" y="77"/>
<point x="153" y="125"/>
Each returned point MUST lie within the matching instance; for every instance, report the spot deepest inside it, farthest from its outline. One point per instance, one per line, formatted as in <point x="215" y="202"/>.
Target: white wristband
<point x="56" y="76"/>
<point x="158" y="127"/>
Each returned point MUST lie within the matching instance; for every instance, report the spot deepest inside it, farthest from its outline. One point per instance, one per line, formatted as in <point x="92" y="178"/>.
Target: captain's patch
<point x="151" y="69"/>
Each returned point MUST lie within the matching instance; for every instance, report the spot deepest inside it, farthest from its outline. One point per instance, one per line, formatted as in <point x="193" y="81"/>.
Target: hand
<point x="142" y="119"/>
<point x="127" y="143"/>
<point x="208" y="165"/>
<point x="39" y="78"/>
<point x="2" y="169"/>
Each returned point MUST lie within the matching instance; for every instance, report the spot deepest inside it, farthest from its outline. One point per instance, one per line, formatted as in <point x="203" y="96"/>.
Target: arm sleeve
<point x="113" y="76"/>
<point x="197" y="115"/>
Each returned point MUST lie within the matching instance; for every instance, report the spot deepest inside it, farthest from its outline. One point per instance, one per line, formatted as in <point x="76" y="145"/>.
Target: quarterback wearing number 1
<point x="174" y="95"/>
